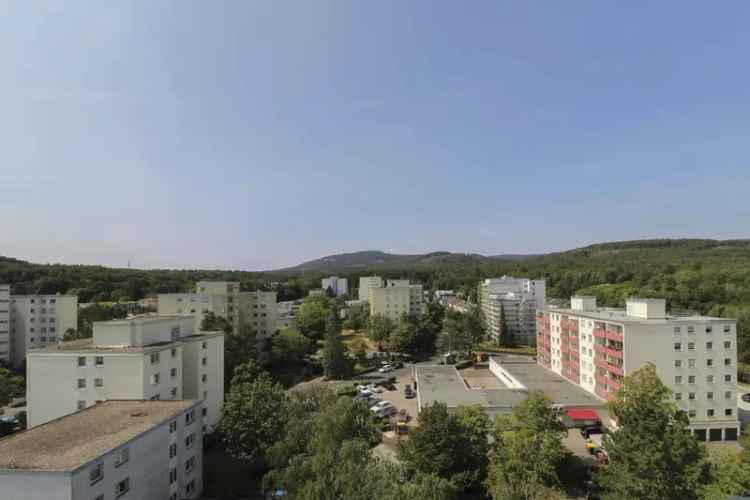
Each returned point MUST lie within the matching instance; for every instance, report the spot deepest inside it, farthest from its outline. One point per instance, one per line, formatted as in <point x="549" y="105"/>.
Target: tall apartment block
<point x="254" y="309"/>
<point x="695" y="356"/>
<point x="339" y="286"/>
<point x="145" y="450"/>
<point x="366" y="283"/>
<point x="509" y="307"/>
<point x="148" y="357"/>
<point x="33" y="321"/>
<point x="397" y="298"/>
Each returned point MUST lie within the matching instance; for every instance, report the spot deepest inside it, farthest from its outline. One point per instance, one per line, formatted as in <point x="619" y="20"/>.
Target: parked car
<point x="409" y="392"/>
<point x="374" y="388"/>
<point x="383" y="409"/>
<point x="386" y="369"/>
<point x="373" y="402"/>
<point x="589" y="430"/>
<point x="397" y="364"/>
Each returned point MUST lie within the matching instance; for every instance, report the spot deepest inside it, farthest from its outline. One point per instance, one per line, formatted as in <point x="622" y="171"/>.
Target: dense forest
<point x="706" y="276"/>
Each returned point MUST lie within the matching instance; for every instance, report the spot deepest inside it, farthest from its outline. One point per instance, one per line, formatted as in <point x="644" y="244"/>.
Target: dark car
<point x="587" y="431"/>
<point x="409" y="392"/>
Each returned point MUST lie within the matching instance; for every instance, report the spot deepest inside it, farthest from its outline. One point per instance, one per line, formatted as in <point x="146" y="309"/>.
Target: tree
<point x="729" y="475"/>
<point x="526" y="452"/>
<point x="336" y="361"/>
<point x="238" y="349"/>
<point x="214" y="323"/>
<point x="474" y="325"/>
<point x="456" y="337"/>
<point x="379" y="329"/>
<point x="10" y="386"/>
<point x="446" y="445"/>
<point x="254" y="414"/>
<point x="359" y="349"/>
<point x="651" y="454"/>
<point x="312" y="316"/>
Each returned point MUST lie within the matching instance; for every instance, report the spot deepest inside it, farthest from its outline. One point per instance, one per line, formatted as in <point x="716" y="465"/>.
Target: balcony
<point x="617" y="370"/>
<point x="601" y="380"/>
<point x="600" y="333"/>
<point x="601" y="363"/>
<point x="614" y="385"/>
<point x="614" y="353"/>
<point x="602" y="392"/>
<point x="600" y="348"/>
<point x="614" y="336"/>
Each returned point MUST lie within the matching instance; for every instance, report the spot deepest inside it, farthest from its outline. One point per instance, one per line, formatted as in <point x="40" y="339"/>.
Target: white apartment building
<point x="395" y="301"/>
<point x="129" y="450"/>
<point x="148" y="357"/>
<point x="5" y="352"/>
<point x="253" y="309"/>
<point x="509" y="307"/>
<point x="339" y="286"/>
<point x="695" y="356"/>
<point x="366" y="283"/>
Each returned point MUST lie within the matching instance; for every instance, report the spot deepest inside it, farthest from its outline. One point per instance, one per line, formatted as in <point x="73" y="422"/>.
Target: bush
<point x="347" y="391"/>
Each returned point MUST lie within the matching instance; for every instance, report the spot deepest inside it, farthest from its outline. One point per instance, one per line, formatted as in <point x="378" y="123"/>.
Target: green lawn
<point x="490" y="347"/>
<point x="349" y="336"/>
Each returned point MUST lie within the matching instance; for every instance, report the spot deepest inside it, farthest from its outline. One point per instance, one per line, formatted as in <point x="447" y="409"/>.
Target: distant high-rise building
<point x="509" y="307"/>
<point x="366" y="283"/>
<point x="399" y="297"/>
<point x="337" y="286"/>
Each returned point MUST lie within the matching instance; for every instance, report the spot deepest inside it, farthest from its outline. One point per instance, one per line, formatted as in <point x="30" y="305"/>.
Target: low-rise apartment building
<point x="366" y="283"/>
<point x="147" y="358"/>
<point x="695" y="356"/>
<point x="33" y="321"/>
<point x="509" y="307"/>
<point x="134" y="450"/>
<point x="397" y="299"/>
<point x="337" y="286"/>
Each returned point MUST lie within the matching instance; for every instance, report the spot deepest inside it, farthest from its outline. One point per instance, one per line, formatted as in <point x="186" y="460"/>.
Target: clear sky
<point x="258" y="134"/>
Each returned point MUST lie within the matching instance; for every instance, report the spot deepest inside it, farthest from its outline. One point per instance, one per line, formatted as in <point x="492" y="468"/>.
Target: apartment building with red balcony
<point x="695" y="356"/>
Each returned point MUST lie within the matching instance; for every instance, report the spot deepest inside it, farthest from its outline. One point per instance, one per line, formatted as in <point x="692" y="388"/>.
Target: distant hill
<point x="376" y="259"/>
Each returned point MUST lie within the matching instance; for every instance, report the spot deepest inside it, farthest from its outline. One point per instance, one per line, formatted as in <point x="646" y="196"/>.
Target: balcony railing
<point x="614" y="385"/>
<point x="599" y="333"/>
<point x="617" y="337"/>
<point x="617" y="370"/>
<point x="602" y="392"/>
<point x="600" y="363"/>
<point x="600" y="348"/>
<point x="614" y="353"/>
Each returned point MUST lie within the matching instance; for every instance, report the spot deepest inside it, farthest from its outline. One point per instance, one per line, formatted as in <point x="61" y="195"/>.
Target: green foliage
<point x="95" y="312"/>
<point x="336" y="361"/>
<point x="312" y="316"/>
<point x="652" y="454"/>
<point x="10" y="386"/>
<point x="453" y="447"/>
<point x="214" y="323"/>
<point x="379" y="328"/>
<point x="527" y="451"/>
<point x="254" y="414"/>
<point x="729" y="474"/>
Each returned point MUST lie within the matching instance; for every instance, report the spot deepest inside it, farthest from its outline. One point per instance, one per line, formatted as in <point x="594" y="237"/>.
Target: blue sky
<point x="255" y="135"/>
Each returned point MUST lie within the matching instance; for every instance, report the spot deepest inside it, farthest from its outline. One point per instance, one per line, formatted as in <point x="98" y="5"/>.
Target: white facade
<point x="395" y="301"/>
<point x="5" y="352"/>
<point x="367" y="283"/>
<point x="134" y="450"/>
<point x="33" y="321"/>
<point x="695" y="356"/>
<point x="149" y="357"/>
<point x="339" y="286"/>
<point x="509" y="307"/>
<point x="258" y="310"/>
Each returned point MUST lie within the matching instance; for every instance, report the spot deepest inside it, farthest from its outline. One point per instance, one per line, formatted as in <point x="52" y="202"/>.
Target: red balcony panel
<point x="614" y="385"/>
<point x="602" y="393"/>
<point x="600" y="363"/>
<point x="617" y="337"/>
<point x="614" y="353"/>
<point x="617" y="370"/>
<point x="600" y="348"/>
<point x="600" y="334"/>
<point x="600" y="379"/>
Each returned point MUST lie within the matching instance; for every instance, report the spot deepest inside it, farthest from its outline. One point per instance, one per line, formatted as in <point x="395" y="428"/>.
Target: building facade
<point x="338" y="286"/>
<point x="144" y="358"/>
<point x="395" y="301"/>
<point x="695" y="356"/>
<point x="367" y="283"/>
<point x="509" y="307"/>
<point x="134" y="450"/>
<point x="5" y="352"/>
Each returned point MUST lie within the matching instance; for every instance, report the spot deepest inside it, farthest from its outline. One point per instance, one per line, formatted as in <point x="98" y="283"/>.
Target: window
<point x="99" y="361"/>
<point x="189" y="464"/>
<point x="691" y="329"/>
<point x="727" y="328"/>
<point x="710" y="362"/>
<point x="691" y="346"/>
<point x="99" y="382"/>
<point x="81" y="361"/>
<point x="190" y="417"/>
<point x="172" y="475"/>
<point x="122" y="487"/>
<point x="727" y="378"/>
<point x="691" y="363"/>
<point x="678" y="396"/>
<point x="154" y="358"/>
<point x="189" y="440"/>
<point x="190" y="488"/>
<point x="204" y="345"/>
<point x="709" y="346"/>
<point x="691" y="379"/>
<point x="121" y="456"/>
<point x="728" y="412"/>
<point x="727" y="344"/>
<point x="204" y="361"/>
<point x="81" y="383"/>
<point x="710" y="379"/>
<point x="204" y="378"/>
<point x="678" y="379"/>
<point x="155" y="378"/>
<point x="691" y="413"/>
<point x="96" y="473"/>
<point x="172" y="426"/>
<point x="691" y="396"/>
<point x="727" y="361"/>
<point x="81" y="405"/>
<point x="728" y="395"/>
<point x="172" y="450"/>
<point x="174" y="353"/>
<point x="173" y="392"/>
<point x="710" y="412"/>
<point x="709" y="329"/>
<point x="156" y="398"/>
<point x="710" y="396"/>
<point x="173" y="372"/>
<point x="204" y="411"/>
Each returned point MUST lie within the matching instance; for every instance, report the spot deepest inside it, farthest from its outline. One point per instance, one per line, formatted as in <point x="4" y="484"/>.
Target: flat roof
<point x="145" y="318"/>
<point x="621" y="316"/>
<point x="443" y="383"/>
<point x="67" y="443"/>
<point x="88" y="346"/>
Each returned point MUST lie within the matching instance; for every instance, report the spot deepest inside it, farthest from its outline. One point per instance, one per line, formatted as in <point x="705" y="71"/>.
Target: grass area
<point x="520" y="350"/>
<point x="350" y="336"/>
